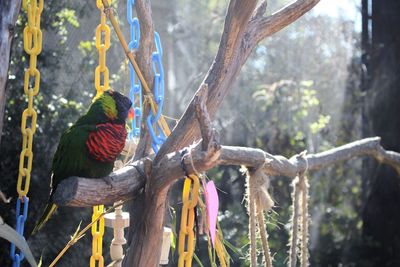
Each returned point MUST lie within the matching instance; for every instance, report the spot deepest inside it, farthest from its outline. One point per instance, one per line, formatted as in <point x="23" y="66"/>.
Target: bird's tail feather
<point x="48" y="212"/>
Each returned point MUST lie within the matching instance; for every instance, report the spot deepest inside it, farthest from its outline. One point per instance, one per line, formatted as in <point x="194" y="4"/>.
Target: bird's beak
<point x="131" y="113"/>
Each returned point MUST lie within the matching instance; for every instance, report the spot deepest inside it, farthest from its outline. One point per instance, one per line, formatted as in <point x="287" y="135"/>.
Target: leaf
<point x="12" y="236"/>
<point x="237" y="251"/>
<point x="197" y="260"/>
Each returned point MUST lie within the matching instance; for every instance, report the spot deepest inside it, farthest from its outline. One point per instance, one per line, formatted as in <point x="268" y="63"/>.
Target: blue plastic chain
<point x="135" y="92"/>
<point x="157" y="135"/>
<point x="21" y="219"/>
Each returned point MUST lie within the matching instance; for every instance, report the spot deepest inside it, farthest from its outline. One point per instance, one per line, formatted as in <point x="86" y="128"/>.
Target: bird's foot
<point x="108" y="180"/>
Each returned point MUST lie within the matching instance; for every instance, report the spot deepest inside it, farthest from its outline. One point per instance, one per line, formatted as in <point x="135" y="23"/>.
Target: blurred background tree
<point x="305" y="88"/>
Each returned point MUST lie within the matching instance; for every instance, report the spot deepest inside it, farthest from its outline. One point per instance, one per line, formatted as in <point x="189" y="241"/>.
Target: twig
<point x="4" y="198"/>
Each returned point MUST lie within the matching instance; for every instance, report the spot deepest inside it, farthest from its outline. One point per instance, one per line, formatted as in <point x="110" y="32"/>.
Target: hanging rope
<point x="101" y="71"/>
<point x="304" y="220"/>
<point x="294" y="223"/>
<point x="258" y="202"/>
<point x="251" y="210"/>
<point x="32" y="38"/>
<point x="299" y="219"/>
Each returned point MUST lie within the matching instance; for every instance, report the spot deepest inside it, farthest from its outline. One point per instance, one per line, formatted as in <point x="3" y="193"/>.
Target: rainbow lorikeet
<point x="90" y="147"/>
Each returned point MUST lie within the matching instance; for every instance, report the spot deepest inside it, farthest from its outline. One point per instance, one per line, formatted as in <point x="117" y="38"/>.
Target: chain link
<point x="156" y="132"/>
<point x="32" y="39"/>
<point x="21" y="219"/>
<point x="101" y="85"/>
<point x="135" y="92"/>
<point x="190" y="196"/>
<point x="97" y="241"/>
<point x="101" y="74"/>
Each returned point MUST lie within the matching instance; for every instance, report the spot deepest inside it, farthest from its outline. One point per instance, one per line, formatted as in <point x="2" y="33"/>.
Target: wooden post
<point x="117" y="220"/>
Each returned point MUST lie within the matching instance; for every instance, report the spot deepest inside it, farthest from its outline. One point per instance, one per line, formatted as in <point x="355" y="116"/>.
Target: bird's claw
<point x="108" y="180"/>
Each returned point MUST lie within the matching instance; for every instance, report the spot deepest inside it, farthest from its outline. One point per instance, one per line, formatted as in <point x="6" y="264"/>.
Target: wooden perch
<point x="85" y="192"/>
<point x="129" y="181"/>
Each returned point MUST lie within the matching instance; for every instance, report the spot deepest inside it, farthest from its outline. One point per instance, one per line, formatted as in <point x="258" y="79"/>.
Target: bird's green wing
<point x="71" y="155"/>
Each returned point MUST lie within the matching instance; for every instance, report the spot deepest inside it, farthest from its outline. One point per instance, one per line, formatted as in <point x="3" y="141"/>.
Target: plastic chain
<point x="156" y="132"/>
<point x="135" y="92"/>
<point x="32" y="38"/>
<point x="187" y="220"/>
<point x="101" y="70"/>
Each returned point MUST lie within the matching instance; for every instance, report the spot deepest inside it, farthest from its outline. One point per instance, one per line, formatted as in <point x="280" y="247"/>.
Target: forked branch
<point x="245" y="26"/>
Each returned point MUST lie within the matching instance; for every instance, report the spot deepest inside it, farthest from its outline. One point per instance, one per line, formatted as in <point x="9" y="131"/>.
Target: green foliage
<point x="286" y="100"/>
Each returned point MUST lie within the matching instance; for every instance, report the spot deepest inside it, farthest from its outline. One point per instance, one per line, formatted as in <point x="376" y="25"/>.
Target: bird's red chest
<point x="107" y="142"/>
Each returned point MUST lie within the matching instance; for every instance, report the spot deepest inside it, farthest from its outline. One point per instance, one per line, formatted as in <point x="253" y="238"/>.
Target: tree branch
<point x="145" y="50"/>
<point x="8" y="16"/>
<point x="261" y="27"/>
<point x="219" y="78"/>
<point x="129" y="181"/>
<point x="244" y="28"/>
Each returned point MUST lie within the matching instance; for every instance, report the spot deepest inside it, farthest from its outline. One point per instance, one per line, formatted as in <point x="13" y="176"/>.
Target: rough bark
<point x="8" y="16"/>
<point x="127" y="182"/>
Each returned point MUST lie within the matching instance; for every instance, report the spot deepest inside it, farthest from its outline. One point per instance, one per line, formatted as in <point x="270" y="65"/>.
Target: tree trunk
<point x="8" y="16"/>
<point x="245" y="26"/>
<point x="381" y="216"/>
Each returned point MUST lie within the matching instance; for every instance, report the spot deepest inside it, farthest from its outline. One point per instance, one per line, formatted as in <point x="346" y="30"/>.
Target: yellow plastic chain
<point x="102" y="30"/>
<point x="33" y="47"/>
<point x="187" y="220"/>
<point x="97" y="241"/>
<point x="101" y="70"/>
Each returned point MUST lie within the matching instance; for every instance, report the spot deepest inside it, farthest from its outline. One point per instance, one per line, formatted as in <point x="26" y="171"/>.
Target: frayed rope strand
<point x="251" y="209"/>
<point x="304" y="221"/>
<point x="295" y="227"/>
<point x="264" y="239"/>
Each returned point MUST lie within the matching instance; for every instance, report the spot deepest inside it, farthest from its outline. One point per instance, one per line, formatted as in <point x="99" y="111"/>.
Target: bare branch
<point x="203" y="117"/>
<point x="261" y="9"/>
<point x="261" y="27"/>
<point x="244" y="28"/>
<point x="219" y="77"/>
<point x="4" y="198"/>
<point x="128" y="181"/>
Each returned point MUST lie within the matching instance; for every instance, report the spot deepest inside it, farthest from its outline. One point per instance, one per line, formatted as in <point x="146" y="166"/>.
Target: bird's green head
<point x="110" y="106"/>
